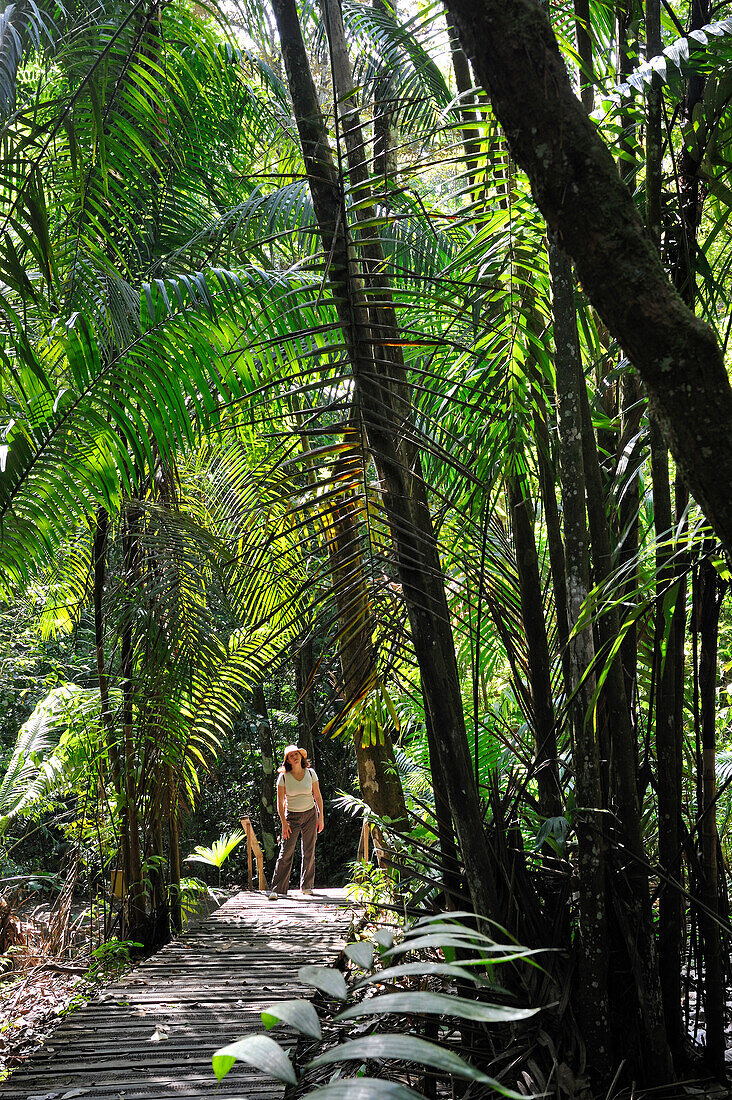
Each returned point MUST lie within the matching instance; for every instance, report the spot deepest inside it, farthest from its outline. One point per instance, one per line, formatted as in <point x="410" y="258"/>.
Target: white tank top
<point x="299" y="792"/>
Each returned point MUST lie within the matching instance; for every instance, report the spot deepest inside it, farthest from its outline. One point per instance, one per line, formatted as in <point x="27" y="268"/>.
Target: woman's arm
<point x="319" y="803"/>
<point x="281" y="810"/>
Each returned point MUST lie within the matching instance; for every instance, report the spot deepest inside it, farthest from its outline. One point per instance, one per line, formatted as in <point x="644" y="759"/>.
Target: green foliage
<point x="217" y="854"/>
<point x="111" y="959"/>
<point x="54" y="747"/>
<point x="481" y="954"/>
<point x="369" y="887"/>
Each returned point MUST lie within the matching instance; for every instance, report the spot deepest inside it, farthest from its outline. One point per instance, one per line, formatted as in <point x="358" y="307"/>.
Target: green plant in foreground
<point x="478" y="953"/>
<point x="218" y="853"/>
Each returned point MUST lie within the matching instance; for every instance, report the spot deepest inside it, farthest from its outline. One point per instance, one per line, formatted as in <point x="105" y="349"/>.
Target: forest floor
<point x="33" y="1002"/>
<point x="39" y="988"/>
<point x="203" y="990"/>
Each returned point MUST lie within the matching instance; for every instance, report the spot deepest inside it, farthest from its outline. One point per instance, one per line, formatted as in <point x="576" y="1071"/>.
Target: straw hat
<point x="286" y="753"/>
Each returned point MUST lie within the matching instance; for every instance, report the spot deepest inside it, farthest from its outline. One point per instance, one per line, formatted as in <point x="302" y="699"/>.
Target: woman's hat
<point x="294" y="748"/>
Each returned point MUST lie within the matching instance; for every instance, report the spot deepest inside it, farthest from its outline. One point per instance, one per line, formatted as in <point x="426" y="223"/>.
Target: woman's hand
<point x="321" y="823"/>
<point x="286" y="830"/>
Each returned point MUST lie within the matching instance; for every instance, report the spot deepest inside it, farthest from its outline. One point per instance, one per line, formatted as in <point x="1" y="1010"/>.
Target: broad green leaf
<point x="384" y="938"/>
<point x="298" y="1013"/>
<point x="408" y="1048"/>
<point x="361" y="953"/>
<point x="256" y="1050"/>
<point x="326" y="979"/>
<point x="465" y="943"/>
<point x="438" y="1004"/>
<point x="425" y="968"/>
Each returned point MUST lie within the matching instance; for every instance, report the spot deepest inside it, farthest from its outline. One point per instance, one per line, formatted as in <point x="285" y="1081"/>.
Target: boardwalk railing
<point x="254" y="850"/>
<point x="363" y="843"/>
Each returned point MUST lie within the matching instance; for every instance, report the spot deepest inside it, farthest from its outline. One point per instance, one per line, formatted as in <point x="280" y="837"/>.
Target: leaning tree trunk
<point x="378" y="777"/>
<point x="374" y="345"/>
<point x="576" y="186"/>
<point x="377" y="771"/>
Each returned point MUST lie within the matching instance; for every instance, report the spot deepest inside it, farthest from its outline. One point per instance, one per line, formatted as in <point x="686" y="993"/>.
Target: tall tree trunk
<point x="267" y="794"/>
<point x="307" y="722"/>
<point x="593" y="976"/>
<point x="377" y="773"/>
<point x="137" y="924"/>
<point x="532" y="614"/>
<point x="668" y="746"/>
<point x="450" y="863"/>
<point x="176" y="915"/>
<point x="548" y="487"/>
<point x="379" y="375"/>
<point x="623" y="767"/>
<point x="386" y="137"/>
<point x="468" y="111"/>
<point x="712" y="591"/>
<point x="632" y="405"/>
<point x="583" y="36"/>
<point x="576" y="185"/>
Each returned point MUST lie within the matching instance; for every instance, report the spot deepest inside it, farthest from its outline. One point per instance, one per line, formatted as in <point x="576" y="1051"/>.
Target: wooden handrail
<point x="253" y="848"/>
<point x="363" y="843"/>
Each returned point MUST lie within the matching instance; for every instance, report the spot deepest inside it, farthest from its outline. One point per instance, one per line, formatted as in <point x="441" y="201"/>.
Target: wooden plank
<point x="207" y="988"/>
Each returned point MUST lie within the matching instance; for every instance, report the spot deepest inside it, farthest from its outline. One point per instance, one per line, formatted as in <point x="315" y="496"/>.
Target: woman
<point x="300" y="806"/>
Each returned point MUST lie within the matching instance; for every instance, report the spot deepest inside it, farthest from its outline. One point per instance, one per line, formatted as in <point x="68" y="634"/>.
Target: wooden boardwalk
<point x="153" y="1033"/>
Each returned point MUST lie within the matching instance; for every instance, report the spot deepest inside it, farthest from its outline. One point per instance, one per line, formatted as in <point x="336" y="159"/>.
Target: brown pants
<point x="305" y="826"/>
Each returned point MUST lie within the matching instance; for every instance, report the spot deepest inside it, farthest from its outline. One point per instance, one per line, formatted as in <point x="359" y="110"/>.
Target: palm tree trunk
<point x="176" y="915"/>
<point x="632" y="405"/>
<point x="583" y="37"/>
<point x="712" y="591"/>
<point x="450" y="863"/>
<point x="548" y="489"/>
<point x="668" y="747"/>
<point x="385" y="131"/>
<point x="307" y="722"/>
<point x="593" y="975"/>
<point x="379" y="374"/>
<point x="532" y="614"/>
<point x="267" y="794"/>
<point x="136" y="929"/>
<point x="468" y="112"/>
<point x="623" y="770"/>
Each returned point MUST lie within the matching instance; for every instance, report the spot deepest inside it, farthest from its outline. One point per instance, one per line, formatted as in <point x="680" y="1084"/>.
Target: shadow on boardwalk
<point x="153" y="1033"/>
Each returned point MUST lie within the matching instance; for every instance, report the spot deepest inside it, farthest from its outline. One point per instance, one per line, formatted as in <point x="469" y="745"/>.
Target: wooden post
<point x="363" y="844"/>
<point x="253" y="848"/>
